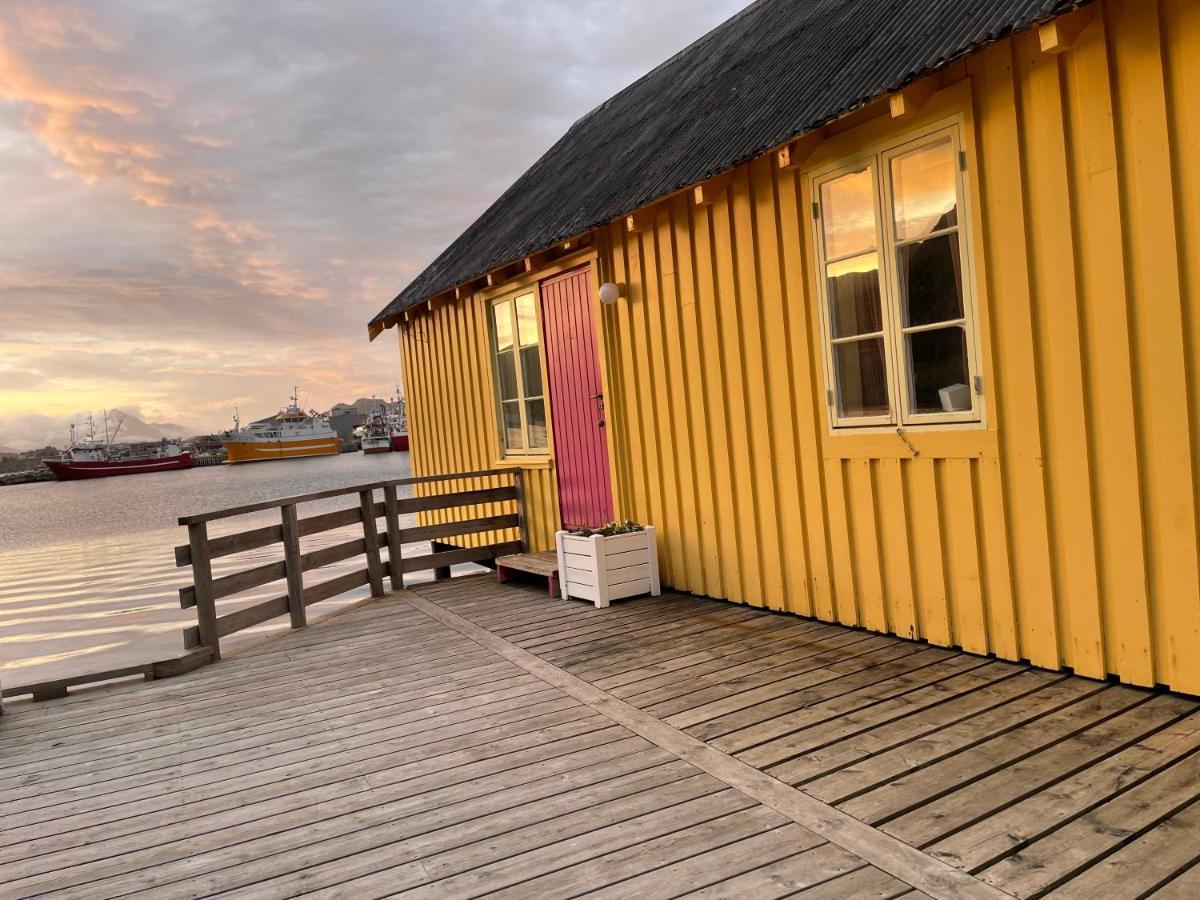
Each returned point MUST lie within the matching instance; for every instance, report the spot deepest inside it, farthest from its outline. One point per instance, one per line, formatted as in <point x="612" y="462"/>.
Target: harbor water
<point x="87" y="568"/>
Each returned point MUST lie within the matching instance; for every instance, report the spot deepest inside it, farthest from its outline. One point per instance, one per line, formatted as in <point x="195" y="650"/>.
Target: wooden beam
<point x="371" y="538"/>
<point x="908" y="102"/>
<point x="797" y="152"/>
<point x="290" y="528"/>
<point x="707" y="192"/>
<point x="1059" y="35"/>
<point x="504" y="273"/>
<point x="641" y="220"/>
<point x="535" y="261"/>
<point x="576" y="243"/>
<point x="391" y="510"/>
<point x="206" y="607"/>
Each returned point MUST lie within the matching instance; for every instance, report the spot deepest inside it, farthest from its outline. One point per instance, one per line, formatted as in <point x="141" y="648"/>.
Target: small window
<point x="520" y="397"/>
<point x="897" y="311"/>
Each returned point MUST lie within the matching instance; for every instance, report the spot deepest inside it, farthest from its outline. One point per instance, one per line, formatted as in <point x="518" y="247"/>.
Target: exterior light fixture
<point x="610" y="293"/>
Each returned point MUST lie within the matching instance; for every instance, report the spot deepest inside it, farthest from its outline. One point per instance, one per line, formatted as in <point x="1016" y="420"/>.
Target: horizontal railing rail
<point x="202" y="641"/>
<point x="201" y="549"/>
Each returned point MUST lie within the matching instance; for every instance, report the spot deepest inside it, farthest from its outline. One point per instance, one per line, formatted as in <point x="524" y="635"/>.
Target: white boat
<point x="376" y="435"/>
<point x="291" y="434"/>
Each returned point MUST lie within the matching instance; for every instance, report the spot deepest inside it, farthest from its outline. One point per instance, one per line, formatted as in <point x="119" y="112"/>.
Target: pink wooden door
<point x="576" y="400"/>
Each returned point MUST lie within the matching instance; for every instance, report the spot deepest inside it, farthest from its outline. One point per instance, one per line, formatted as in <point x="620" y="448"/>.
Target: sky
<point x="202" y="202"/>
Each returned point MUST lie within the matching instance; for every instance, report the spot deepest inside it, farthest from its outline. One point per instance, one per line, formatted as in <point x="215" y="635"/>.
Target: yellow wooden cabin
<point x="905" y="330"/>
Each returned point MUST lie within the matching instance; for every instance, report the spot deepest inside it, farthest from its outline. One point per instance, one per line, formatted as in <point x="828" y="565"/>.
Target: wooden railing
<point x="201" y="548"/>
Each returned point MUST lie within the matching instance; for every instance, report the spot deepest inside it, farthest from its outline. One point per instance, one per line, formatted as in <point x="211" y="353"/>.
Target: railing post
<point x="391" y="509"/>
<point x="206" y="606"/>
<point x="291" y="561"/>
<point x="371" y="539"/>
<point x="522" y="527"/>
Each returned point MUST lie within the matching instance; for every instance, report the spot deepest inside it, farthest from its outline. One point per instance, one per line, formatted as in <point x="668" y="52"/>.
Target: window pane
<point x="848" y="213"/>
<point x="511" y="425"/>
<point x="535" y="415"/>
<point x="861" y="378"/>
<point x="526" y="320"/>
<point x="502" y="313"/>
<point x="931" y="280"/>
<point x="923" y="190"/>
<point x="854" y="303"/>
<point x="939" y="370"/>
<point x="531" y="367"/>
<point x="506" y="369"/>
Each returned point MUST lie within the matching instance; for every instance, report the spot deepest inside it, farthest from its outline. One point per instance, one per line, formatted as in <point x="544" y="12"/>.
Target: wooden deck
<point x="475" y="738"/>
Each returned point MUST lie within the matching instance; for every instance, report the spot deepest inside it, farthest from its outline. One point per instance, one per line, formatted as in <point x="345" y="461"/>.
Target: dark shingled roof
<point x="777" y="69"/>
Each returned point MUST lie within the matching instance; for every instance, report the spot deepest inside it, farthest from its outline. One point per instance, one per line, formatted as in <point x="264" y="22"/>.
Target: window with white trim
<point x="898" y="312"/>
<point x="517" y="363"/>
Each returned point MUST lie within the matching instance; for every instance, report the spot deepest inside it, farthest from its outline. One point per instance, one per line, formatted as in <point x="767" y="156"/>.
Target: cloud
<point x="207" y="202"/>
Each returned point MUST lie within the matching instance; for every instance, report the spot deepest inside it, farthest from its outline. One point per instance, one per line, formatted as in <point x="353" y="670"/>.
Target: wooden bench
<point x="541" y="564"/>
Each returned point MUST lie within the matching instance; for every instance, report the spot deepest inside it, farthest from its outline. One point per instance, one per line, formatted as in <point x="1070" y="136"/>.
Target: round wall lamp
<point x="610" y="293"/>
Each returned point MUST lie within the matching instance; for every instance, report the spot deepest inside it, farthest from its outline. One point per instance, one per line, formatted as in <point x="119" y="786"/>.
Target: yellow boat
<point x="291" y="434"/>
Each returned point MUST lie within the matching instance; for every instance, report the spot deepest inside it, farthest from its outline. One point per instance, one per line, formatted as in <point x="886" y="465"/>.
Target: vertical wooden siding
<point x="1066" y="533"/>
<point x="452" y="418"/>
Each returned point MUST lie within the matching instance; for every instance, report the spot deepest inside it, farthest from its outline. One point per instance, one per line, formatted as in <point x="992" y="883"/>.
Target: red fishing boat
<point x="93" y="458"/>
<point x="398" y="422"/>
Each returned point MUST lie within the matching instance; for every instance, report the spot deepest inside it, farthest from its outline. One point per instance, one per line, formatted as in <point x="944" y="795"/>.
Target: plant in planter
<point x="609" y="563"/>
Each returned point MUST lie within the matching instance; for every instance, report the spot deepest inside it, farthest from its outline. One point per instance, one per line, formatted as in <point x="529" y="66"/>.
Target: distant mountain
<point x="134" y="429"/>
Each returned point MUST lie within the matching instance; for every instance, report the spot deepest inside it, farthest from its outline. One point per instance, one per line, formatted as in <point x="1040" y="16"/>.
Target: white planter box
<point x="603" y="569"/>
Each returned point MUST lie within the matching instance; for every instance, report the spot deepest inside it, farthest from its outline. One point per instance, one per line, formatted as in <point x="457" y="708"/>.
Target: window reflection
<point x="848" y="213"/>
<point x="506" y="368"/>
<point x="896" y="290"/>
<point x="536" y="416"/>
<point x="862" y="378"/>
<point x="924" y="196"/>
<point x="939" y="370"/>
<point x="531" y="368"/>
<point x="512" y="425"/>
<point x="527" y="333"/>
<point x="931" y="280"/>
<point x="502" y="313"/>
<point x="519" y="388"/>
<point x="855" y="305"/>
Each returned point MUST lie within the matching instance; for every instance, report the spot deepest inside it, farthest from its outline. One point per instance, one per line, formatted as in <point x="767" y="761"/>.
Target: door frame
<point x="598" y="340"/>
<point x="589" y="256"/>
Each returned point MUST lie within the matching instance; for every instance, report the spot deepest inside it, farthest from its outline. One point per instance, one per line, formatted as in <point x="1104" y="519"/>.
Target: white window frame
<point x="521" y="399"/>
<point x="899" y="368"/>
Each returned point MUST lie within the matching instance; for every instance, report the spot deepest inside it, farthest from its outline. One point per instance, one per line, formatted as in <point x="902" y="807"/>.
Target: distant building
<point x="343" y="419"/>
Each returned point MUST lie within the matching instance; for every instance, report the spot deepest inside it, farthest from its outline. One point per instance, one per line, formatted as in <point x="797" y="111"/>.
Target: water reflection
<point x="87" y="574"/>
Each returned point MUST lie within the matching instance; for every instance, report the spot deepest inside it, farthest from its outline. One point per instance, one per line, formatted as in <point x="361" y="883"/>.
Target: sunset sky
<point x="205" y="201"/>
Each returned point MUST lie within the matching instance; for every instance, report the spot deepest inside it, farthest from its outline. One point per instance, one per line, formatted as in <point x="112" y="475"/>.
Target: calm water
<point x="87" y="568"/>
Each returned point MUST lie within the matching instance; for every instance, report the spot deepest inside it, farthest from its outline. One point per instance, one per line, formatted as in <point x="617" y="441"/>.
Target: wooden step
<point x="543" y="564"/>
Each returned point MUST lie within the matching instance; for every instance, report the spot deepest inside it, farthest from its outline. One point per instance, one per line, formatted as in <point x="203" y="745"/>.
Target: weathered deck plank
<point x="486" y="738"/>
